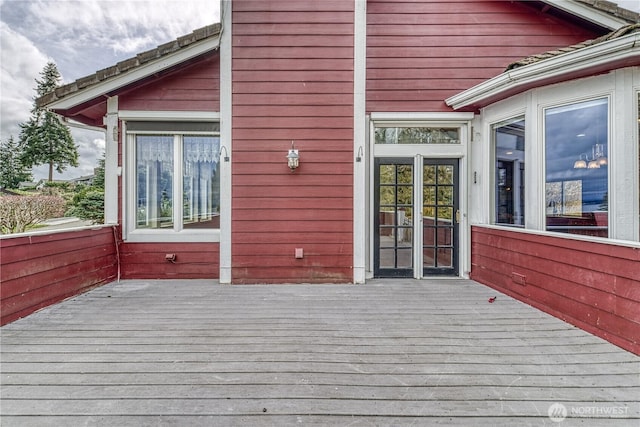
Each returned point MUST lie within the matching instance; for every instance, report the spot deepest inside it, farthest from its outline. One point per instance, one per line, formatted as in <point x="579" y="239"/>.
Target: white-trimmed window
<point x="582" y="157"/>
<point x="509" y="156"/>
<point x="576" y="167"/>
<point x="174" y="179"/>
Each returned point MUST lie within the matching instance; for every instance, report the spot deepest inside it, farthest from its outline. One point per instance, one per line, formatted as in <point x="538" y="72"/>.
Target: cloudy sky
<point x="81" y="37"/>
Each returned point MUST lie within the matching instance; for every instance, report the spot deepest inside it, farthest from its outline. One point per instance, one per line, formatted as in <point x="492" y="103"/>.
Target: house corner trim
<point x="111" y="162"/>
<point x="359" y="141"/>
<point x="226" y="116"/>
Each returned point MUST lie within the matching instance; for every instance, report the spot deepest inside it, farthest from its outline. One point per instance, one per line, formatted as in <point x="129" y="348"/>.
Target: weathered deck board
<point x="386" y="353"/>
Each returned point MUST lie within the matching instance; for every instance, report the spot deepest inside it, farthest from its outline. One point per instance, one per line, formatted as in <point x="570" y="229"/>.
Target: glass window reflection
<point x="576" y="162"/>
<point x="509" y="154"/>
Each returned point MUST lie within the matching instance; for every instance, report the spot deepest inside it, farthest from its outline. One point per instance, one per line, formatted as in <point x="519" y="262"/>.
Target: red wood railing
<point x="42" y="268"/>
<point x="593" y="285"/>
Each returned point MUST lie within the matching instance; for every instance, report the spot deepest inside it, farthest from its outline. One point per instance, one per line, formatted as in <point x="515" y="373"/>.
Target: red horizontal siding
<point x="286" y="64"/>
<point x="300" y="122"/>
<point x="147" y="260"/>
<point x="310" y="202"/>
<point x="288" y="29"/>
<point x="333" y="76"/>
<point x="290" y="273"/>
<point x="312" y="88"/>
<point x="306" y="52"/>
<point x="311" y="247"/>
<point x="421" y="52"/>
<point x="314" y="40"/>
<point x="317" y="238"/>
<point x="194" y="88"/>
<point x="284" y="193"/>
<point x="291" y="6"/>
<point x="308" y="16"/>
<point x="326" y="112"/>
<point x="594" y="286"/>
<point x="273" y="136"/>
<point x="292" y="81"/>
<point x="265" y="166"/>
<point x="440" y="63"/>
<point x="297" y="186"/>
<point x="40" y="270"/>
<point x="294" y="230"/>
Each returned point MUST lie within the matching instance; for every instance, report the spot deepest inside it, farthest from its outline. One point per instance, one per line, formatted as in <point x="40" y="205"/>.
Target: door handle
<point x="458" y="216"/>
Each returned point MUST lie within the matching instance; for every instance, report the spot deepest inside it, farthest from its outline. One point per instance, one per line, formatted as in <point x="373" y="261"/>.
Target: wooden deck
<point x="397" y="352"/>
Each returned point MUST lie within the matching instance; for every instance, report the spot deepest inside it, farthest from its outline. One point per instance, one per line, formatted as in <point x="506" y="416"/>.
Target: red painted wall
<point x="292" y="81"/>
<point x="40" y="270"/>
<point x="419" y="53"/>
<point x="194" y="88"/>
<point x="147" y="260"/>
<point x="595" y="286"/>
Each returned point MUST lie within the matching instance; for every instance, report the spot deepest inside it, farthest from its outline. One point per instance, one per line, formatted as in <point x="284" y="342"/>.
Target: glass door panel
<point x="439" y="217"/>
<point x="394" y="222"/>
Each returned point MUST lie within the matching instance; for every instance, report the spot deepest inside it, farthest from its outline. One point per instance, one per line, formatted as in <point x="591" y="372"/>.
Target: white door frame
<point x="420" y="152"/>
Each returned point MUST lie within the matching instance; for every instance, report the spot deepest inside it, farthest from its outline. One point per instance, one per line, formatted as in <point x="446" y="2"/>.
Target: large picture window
<point x="177" y="181"/>
<point x="576" y="164"/>
<point x="509" y="145"/>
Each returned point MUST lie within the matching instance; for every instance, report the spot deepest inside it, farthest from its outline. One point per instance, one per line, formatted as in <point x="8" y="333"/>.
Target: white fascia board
<point x="570" y="62"/>
<point x="192" y="116"/>
<point x="136" y="74"/>
<point x="421" y="117"/>
<point x="75" y="124"/>
<point x="588" y="13"/>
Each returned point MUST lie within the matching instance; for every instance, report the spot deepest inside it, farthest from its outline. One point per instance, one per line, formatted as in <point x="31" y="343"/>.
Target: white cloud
<point x="633" y="5"/>
<point x="21" y="63"/>
<point x="82" y="37"/>
<point x="105" y="31"/>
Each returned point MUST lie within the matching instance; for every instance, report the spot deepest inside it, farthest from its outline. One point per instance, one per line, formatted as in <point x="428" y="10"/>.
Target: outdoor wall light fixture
<point x="293" y="158"/>
<point x="226" y="155"/>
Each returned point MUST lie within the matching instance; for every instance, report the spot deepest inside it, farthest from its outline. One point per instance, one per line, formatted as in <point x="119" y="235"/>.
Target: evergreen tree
<point x="98" y="179"/>
<point x="88" y="202"/>
<point x="12" y="172"/>
<point x="44" y="138"/>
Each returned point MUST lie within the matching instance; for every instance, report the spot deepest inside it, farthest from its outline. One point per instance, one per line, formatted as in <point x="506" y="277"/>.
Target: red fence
<point x="593" y="285"/>
<point x="38" y="269"/>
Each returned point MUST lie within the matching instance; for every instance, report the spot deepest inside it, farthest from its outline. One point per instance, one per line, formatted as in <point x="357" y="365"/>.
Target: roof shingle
<point x="629" y="29"/>
<point x="131" y="63"/>
<point x="613" y="9"/>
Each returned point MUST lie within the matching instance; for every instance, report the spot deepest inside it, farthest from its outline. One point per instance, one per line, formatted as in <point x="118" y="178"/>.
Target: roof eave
<point x="111" y="85"/>
<point x="588" y="13"/>
<point x="550" y="70"/>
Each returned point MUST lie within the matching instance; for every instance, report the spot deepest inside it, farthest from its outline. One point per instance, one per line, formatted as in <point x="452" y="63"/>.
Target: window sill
<point x="592" y="239"/>
<point x="170" y="236"/>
